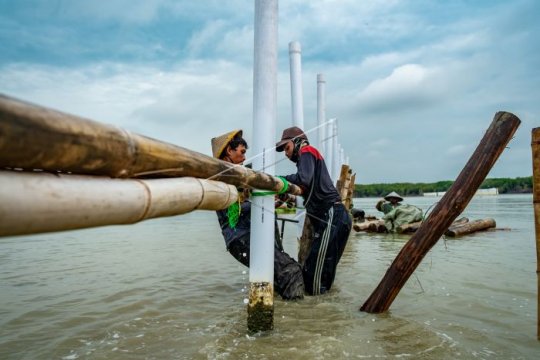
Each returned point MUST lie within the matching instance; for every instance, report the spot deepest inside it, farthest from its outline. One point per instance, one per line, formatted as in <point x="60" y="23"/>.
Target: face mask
<point x="297" y="144"/>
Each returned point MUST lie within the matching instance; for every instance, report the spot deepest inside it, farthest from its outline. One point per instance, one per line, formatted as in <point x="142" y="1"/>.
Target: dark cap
<point x="289" y="134"/>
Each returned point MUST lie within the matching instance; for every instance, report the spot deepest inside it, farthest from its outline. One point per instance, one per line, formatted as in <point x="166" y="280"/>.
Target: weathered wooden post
<point x="535" y="144"/>
<point x="261" y="258"/>
<point x="451" y="205"/>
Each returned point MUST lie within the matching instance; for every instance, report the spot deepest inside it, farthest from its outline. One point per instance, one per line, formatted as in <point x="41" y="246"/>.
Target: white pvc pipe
<point x="264" y="124"/>
<point x="297" y="101"/>
<point x="297" y="104"/>
<point x="337" y="164"/>
<point x="329" y="148"/>
<point x="321" y="113"/>
<point x="37" y="202"/>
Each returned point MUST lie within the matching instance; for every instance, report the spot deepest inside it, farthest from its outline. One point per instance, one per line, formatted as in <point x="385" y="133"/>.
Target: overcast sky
<point x="414" y="83"/>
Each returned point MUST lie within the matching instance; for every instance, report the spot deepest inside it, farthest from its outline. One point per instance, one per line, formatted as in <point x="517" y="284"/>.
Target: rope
<point x="282" y="191"/>
<point x="233" y="213"/>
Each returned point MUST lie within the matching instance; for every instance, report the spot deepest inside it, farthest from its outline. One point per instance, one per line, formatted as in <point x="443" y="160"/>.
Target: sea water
<point x="167" y="289"/>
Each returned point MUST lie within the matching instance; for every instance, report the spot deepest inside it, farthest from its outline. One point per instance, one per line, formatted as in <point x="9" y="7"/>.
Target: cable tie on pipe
<point x="285" y="185"/>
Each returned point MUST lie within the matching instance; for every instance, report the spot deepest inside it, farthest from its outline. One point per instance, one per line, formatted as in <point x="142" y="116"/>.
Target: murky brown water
<point x="166" y="289"/>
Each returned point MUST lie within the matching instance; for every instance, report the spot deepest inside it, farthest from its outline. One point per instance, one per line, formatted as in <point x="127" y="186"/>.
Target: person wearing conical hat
<point x="396" y="213"/>
<point x="230" y="147"/>
<point x="389" y="203"/>
<point x="235" y="223"/>
<point x="330" y="220"/>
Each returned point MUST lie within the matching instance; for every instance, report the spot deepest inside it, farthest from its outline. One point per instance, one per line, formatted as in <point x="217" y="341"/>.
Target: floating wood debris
<point x="470" y="227"/>
<point x="458" y="228"/>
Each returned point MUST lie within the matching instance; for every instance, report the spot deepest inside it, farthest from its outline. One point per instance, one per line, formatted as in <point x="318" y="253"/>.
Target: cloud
<point x="408" y="86"/>
<point x="185" y="106"/>
<point x="408" y="82"/>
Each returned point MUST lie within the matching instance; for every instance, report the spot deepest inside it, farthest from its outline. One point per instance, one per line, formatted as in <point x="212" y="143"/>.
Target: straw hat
<point x="393" y="194"/>
<point x="219" y="143"/>
<point x="289" y="134"/>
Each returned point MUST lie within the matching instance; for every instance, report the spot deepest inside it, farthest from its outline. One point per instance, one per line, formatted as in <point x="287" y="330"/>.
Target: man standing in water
<point x="330" y="220"/>
<point x="235" y="223"/>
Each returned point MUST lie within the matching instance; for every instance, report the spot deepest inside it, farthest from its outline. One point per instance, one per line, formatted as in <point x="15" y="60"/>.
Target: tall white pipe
<point x="297" y="99"/>
<point x="297" y="104"/>
<point x="261" y="295"/>
<point x="321" y="113"/>
<point x="329" y="147"/>
<point x="335" y="149"/>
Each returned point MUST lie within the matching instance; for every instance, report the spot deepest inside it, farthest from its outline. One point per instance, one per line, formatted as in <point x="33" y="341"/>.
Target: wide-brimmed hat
<point x="219" y="143"/>
<point x="393" y="194"/>
<point x="289" y="134"/>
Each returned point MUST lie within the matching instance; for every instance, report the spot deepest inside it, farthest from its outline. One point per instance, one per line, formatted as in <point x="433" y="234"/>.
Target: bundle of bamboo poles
<point x="36" y="141"/>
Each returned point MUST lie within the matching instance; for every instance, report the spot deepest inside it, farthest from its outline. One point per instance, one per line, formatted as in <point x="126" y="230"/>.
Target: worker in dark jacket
<point x="235" y="223"/>
<point x="331" y="221"/>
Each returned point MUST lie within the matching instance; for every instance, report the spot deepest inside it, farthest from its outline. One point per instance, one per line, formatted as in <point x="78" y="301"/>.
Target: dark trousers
<point x="330" y="234"/>
<point x="288" y="279"/>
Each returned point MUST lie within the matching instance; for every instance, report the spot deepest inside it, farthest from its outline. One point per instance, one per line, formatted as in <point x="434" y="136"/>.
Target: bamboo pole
<point x="451" y="205"/>
<point x="37" y="202"/>
<point x="34" y="137"/>
<point x="535" y="145"/>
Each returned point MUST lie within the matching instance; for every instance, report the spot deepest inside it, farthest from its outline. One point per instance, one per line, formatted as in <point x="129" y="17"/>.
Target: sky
<point x="414" y="84"/>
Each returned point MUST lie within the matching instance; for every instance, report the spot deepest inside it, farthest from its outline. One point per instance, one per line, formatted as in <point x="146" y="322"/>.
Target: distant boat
<point x="479" y="192"/>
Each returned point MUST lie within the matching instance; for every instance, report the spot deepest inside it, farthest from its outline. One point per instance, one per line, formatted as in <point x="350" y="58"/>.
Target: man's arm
<point x="305" y="171"/>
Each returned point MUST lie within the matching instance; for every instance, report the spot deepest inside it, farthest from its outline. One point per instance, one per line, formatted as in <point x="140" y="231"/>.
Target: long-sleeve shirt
<point x="243" y="226"/>
<point x="312" y="175"/>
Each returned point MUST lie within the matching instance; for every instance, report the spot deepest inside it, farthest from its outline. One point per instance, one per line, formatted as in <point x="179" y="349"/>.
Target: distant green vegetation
<point x="505" y="186"/>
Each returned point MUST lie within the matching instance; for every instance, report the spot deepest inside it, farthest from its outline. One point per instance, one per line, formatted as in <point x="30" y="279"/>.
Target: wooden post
<point x="535" y="144"/>
<point x="451" y="205"/>
<point x="350" y="193"/>
<point x="345" y="186"/>
<point x="34" y="137"/>
<point x="341" y="184"/>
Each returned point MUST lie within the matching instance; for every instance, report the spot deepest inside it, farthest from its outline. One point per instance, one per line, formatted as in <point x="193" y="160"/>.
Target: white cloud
<point x="407" y="86"/>
<point x="185" y="106"/>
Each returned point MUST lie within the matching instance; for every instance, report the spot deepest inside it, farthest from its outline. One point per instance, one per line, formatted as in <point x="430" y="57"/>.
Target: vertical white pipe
<point x="297" y="104"/>
<point x="295" y="60"/>
<point x="261" y="303"/>
<point x="337" y="164"/>
<point x="321" y="113"/>
<point x="341" y="155"/>
<point x="329" y="147"/>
